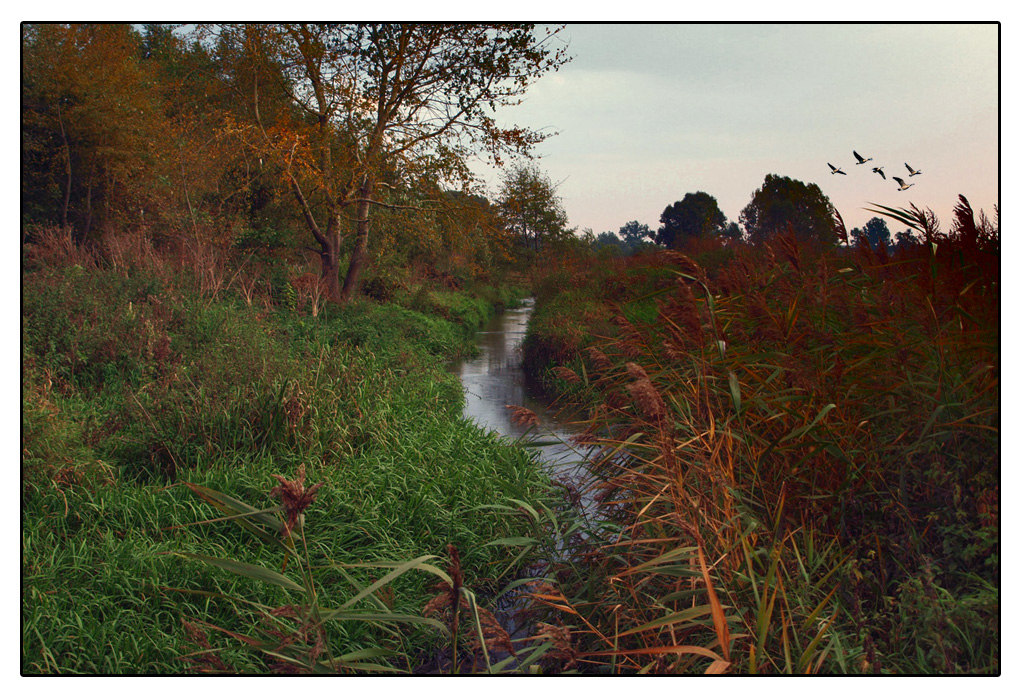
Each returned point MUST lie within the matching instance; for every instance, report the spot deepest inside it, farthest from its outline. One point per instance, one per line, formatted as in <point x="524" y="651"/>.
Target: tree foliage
<point x="131" y="129"/>
<point x="874" y="234"/>
<point x="631" y="238"/>
<point x="92" y="127"/>
<point x="783" y="201"/>
<point x="635" y="234"/>
<point x="696" y="215"/>
<point x="531" y="207"/>
<point x="411" y="101"/>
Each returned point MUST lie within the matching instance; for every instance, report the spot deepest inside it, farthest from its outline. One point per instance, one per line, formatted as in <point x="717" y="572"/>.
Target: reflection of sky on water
<point x="495" y="379"/>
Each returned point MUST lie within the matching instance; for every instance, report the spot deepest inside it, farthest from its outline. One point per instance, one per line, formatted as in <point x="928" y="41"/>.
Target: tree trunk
<point x="358" y="254"/>
<point x="88" y="206"/>
<point x="67" y="169"/>
<point x="330" y="259"/>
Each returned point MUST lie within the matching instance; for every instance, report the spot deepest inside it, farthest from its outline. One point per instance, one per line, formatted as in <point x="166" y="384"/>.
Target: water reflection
<point x="495" y="379"/>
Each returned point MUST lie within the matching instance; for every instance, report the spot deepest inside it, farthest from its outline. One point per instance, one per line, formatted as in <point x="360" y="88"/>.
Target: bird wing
<point x="898" y="180"/>
<point x="881" y="173"/>
<point x="857" y="155"/>
<point x="831" y="166"/>
<point x="910" y="169"/>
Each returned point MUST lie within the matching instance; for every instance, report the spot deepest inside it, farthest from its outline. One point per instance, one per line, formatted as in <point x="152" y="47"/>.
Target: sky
<point x="647" y="113"/>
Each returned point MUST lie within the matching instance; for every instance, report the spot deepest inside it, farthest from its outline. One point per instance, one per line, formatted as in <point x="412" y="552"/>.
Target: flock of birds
<point x="879" y="170"/>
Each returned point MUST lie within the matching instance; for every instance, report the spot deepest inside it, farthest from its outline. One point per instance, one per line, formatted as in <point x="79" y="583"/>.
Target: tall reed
<point x="814" y="426"/>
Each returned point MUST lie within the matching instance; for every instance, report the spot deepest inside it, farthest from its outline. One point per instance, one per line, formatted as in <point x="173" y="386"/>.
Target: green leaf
<point x="341" y="615"/>
<point x="736" y="392"/>
<point x="513" y="541"/>
<point x="248" y="570"/>
<point x="372" y="667"/>
<point x="367" y="653"/>
<point x="397" y="564"/>
<point x="799" y="432"/>
<point x="417" y="563"/>
<point x="244" y="514"/>
<point x="676" y="617"/>
<point x="657" y="564"/>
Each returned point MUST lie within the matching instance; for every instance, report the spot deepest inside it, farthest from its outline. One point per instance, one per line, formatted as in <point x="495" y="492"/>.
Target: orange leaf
<point x="716" y="610"/>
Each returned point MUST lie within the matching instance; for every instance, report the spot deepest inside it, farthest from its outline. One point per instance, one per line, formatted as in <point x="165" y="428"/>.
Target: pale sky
<point x="648" y="113"/>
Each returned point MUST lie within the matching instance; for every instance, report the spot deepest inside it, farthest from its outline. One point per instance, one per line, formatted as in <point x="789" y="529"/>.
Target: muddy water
<point x="495" y="379"/>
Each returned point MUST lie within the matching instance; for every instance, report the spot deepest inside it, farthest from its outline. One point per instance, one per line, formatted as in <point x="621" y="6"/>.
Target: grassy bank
<point x="799" y="456"/>
<point x="146" y="387"/>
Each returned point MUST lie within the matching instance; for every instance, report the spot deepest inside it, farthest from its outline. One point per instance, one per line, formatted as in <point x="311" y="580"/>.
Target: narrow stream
<point x="495" y="379"/>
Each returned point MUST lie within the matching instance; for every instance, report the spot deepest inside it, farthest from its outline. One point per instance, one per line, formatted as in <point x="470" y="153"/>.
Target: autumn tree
<point x="217" y="182"/>
<point x="781" y="202"/>
<point x="92" y="127"/>
<point x="696" y="215"/>
<point x="530" y="206"/>
<point x="415" y="99"/>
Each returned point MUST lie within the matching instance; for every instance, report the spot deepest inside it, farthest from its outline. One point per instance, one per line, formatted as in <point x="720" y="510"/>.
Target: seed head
<point x="522" y="416"/>
<point x="294" y="497"/>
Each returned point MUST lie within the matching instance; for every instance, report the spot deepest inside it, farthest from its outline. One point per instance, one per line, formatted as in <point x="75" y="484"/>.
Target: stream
<point x="495" y="379"/>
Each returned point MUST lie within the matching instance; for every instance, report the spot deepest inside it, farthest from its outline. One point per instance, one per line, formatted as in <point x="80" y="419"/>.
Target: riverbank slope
<point x="149" y="397"/>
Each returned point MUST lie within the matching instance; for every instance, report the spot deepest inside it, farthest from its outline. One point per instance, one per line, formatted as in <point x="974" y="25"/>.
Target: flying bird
<point x="911" y="171"/>
<point x="880" y="171"/>
<point x="902" y="185"/>
<point x="859" y="157"/>
<point x="835" y="170"/>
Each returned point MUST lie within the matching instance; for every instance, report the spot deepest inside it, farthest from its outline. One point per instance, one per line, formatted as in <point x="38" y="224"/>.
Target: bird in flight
<point x="901" y="184"/>
<point x="880" y="171"/>
<point x="835" y="170"/>
<point x="859" y="157"/>
<point x="911" y="171"/>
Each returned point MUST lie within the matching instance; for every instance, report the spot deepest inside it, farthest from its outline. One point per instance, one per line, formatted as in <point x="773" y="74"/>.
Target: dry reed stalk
<point x="647" y="399"/>
<point x="560" y="638"/>
<point x="567" y="374"/>
<point x="681" y="311"/>
<point x="685" y="263"/>
<point x="635" y="371"/>
<point x="294" y="407"/>
<point x="495" y="638"/>
<point x="631" y="340"/>
<point x="309" y="286"/>
<point x="205" y="660"/>
<point x="247" y="285"/>
<point x="598" y="358"/>
<point x="56" y="246"/>
<point x="308" y="634"/>
<point x="522" y="416"/>
<point x="788" y="245"/>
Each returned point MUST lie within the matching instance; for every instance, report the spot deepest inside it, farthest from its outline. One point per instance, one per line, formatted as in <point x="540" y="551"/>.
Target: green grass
<point x="134" y="385"/>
